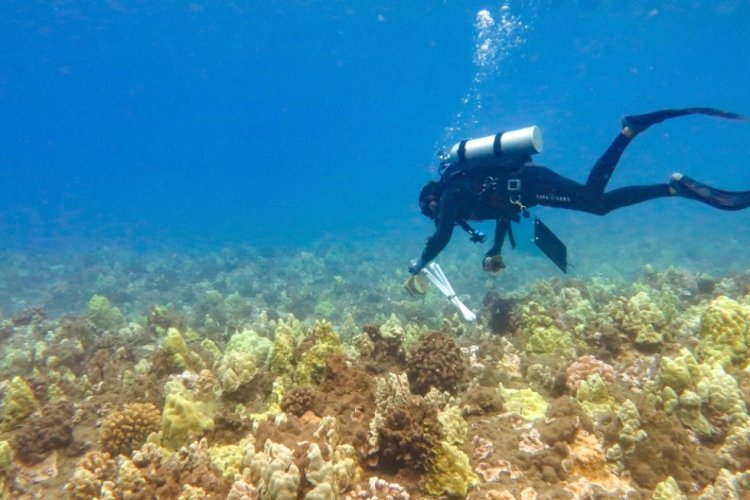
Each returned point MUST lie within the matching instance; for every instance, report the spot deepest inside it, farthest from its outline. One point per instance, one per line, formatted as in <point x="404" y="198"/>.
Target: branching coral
<point x="272" y="471"/>
<point x="391" y="391"/>
<point x="126" y="430"/>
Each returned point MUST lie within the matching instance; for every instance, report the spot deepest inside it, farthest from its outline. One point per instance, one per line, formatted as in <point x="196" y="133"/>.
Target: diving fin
<point x="639" y="123"/>
<point x="687" y="187"/>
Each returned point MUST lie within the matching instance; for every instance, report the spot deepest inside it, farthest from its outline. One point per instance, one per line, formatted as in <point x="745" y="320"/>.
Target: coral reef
<point x="238" y="377"/>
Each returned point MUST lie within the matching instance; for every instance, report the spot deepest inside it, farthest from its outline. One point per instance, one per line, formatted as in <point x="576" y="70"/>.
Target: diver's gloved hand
<point x="417" y="265"/>
<point x="493" y="264"/>
<point x="478" y="237"/>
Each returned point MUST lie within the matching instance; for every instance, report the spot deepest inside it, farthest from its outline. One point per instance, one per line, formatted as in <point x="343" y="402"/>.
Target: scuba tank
<point x="496" y="150"/>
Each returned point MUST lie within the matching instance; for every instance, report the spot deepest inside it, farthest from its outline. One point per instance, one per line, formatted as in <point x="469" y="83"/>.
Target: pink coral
<point x="587" y="365"/>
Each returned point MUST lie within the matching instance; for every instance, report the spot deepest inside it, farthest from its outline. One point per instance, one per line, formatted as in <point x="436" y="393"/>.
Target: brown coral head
<point x="298" y="400"/>
<point x="405" y="440"/>
<point x="126" y="430"/>
<point x="436" y="361"/>
<point x="47" y="430"/>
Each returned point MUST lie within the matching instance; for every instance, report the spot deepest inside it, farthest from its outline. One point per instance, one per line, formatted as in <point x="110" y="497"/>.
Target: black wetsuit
<point x="503" y="194"/>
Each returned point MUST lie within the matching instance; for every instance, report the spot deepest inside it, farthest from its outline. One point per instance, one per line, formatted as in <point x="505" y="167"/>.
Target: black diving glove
<point x="417" y="265"/>
<point x="493" y="264"/>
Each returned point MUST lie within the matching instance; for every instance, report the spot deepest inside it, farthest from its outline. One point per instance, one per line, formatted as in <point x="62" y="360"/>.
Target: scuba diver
<point x="493" y="178"/>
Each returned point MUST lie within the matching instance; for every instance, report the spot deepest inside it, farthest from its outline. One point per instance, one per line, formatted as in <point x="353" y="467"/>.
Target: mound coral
<point x="103" y="315"/>
<point x="19" y="402"/>
<point x="525" y="402"/>
<point x="435" y="361"/>
<point x="725" y="332"/>
<point x="593" y="395"/>
<point x="693" y="391"/>
<point x="584" y="366"/>
<point x="236" y="368"/>
<point x="642" y="319"/>
<point x="125" y="430"/>
<point x="542" y="332"/>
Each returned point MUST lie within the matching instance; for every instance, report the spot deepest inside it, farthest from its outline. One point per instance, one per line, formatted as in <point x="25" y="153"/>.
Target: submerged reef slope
<point x="209" y="378"/>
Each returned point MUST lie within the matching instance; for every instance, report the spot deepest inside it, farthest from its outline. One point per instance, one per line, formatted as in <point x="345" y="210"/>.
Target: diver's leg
<point x="627" y="196"/>
<point x="548" y="188"/>
<point x="686" y="187"/>
<point x="605" y="165"/>
<point x="631" y="126"/>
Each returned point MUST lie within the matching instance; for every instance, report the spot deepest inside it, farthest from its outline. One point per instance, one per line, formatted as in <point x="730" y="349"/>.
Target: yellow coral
<point x="725" y="332"/>
<point x="449" y="472"/>
<point x="19" y="403"/>
<point x="183" y="420"/>
<point x="126" y="430"/>
<point x="180" y="357"/>
<point x="525" y="402"/>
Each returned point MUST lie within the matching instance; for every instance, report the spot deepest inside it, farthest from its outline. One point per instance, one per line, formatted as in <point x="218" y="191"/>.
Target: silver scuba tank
<point x="497" y="149"/>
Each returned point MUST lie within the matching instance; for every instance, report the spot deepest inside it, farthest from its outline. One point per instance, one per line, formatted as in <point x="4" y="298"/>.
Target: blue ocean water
<point x="281" y="122"/>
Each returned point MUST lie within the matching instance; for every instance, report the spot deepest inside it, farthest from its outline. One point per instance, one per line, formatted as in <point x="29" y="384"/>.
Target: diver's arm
<point x="446" y="221"/>
<point x="493" y="261"/>
<point x="502" y="228"/>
